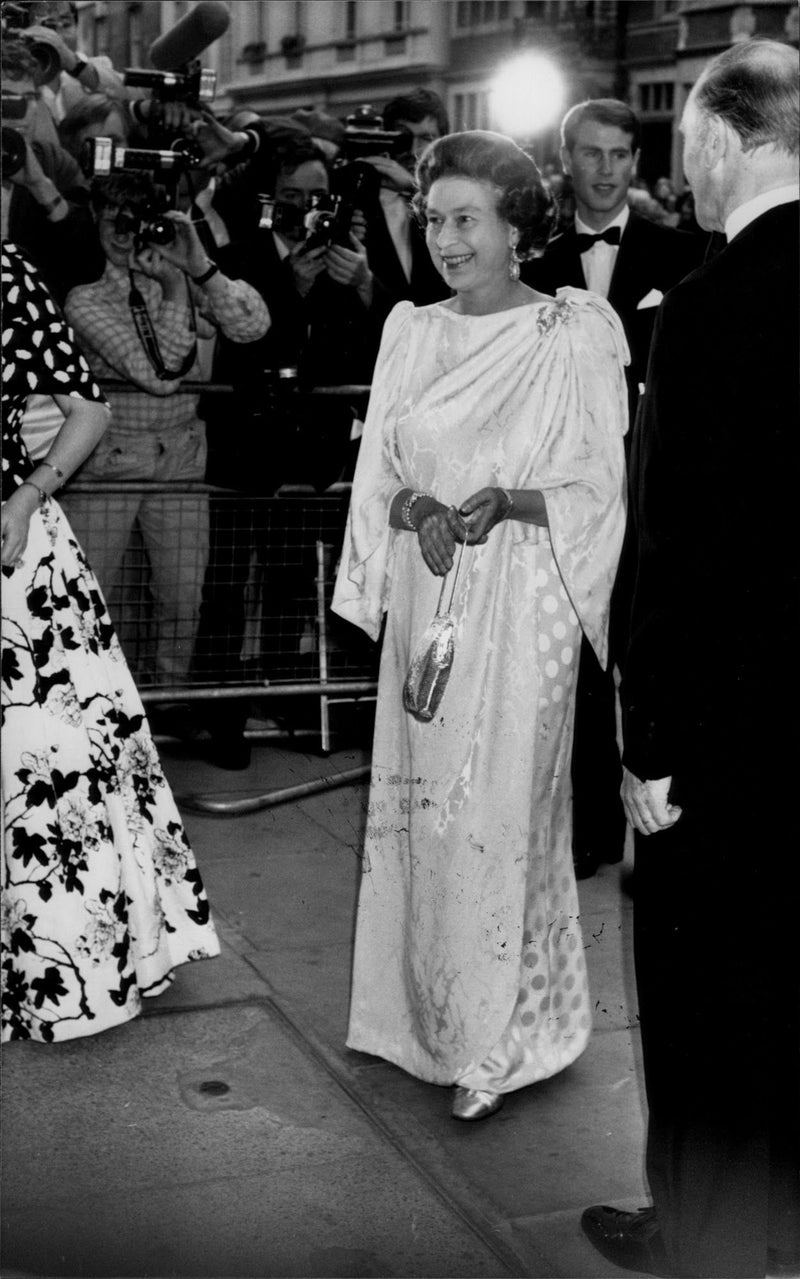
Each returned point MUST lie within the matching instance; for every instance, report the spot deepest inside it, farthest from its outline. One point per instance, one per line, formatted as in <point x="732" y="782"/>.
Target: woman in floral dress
<point x="101" y="894"/>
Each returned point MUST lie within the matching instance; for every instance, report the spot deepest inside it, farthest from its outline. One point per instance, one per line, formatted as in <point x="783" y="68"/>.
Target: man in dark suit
<point x="631" y="262"/>
<point x="396" y="249"/>
<point x="710" y="688"/>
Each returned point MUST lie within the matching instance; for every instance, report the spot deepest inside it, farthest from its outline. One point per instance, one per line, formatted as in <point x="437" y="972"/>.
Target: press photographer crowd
<point x="261" y="252"/>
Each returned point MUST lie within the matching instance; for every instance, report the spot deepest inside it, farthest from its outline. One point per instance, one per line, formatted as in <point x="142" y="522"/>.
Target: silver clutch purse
<point x="430" y="667"/>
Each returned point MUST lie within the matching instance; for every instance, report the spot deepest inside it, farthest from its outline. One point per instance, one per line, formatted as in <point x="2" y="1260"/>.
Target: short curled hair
<point x="753" y="88"/>
<point x="523" y="199"/>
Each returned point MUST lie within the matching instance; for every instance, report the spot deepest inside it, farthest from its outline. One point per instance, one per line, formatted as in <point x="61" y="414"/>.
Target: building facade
<point x="279" y="55"/>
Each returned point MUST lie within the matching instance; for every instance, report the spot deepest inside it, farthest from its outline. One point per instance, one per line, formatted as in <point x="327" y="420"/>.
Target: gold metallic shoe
<point x="473" y="1103"/>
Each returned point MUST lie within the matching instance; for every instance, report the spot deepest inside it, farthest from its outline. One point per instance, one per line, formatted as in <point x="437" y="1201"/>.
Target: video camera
<point x="364" y="136"/>
<point x="355" y="182"/>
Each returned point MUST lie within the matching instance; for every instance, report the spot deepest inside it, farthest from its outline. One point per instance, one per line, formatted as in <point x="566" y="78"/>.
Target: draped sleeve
<point x="365" y="569"/>
<point x="579" y="464"/>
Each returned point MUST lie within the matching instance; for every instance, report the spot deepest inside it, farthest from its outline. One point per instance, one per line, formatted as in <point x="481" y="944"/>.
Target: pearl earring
<point x="513" y="264"/>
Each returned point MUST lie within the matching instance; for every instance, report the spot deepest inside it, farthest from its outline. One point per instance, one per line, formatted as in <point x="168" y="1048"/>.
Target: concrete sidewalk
<point x="230" y="1133"/>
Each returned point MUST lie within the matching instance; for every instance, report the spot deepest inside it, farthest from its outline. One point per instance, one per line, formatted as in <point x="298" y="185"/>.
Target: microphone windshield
<point x="188" y="38"/>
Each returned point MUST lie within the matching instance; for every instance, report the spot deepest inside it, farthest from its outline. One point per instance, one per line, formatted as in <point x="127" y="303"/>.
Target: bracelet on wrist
<point x="207" y="274"/>
<point x="29" y="484"/>
<point x="51" y="466"/>
<point x="408" y="506"/>
<point x="79" y="68"/>
<point x="509" y="502"/>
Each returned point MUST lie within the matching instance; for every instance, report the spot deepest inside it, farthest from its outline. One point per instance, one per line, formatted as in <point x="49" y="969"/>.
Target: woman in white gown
<point x="505" y="409"/>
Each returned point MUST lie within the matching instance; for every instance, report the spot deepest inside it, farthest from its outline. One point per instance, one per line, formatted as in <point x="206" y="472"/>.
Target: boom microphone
<point x="188" y="38"/>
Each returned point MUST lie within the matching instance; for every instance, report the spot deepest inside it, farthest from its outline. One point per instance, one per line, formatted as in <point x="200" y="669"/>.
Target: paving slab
<point x="138" y="1163"/>
<point x="231" y="1132"/>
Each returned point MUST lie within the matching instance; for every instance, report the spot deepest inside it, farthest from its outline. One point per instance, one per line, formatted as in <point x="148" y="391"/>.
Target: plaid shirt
<point x="104" y="324"/>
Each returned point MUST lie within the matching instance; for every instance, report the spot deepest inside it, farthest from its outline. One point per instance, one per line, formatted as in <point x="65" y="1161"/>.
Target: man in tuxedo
<point x="396" y="249"/>
<point x="709" y="690"/>
<point x="632" y="262"/>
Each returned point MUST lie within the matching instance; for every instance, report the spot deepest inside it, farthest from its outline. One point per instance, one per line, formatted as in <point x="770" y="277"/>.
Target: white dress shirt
<point x="752" y="209"/>
<point x="599" y="261"/>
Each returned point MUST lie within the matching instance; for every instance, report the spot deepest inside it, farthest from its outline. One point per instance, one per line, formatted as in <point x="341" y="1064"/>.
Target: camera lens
<point x="47" y="61"/>
<point x="13" y="151"/>
<point x="158" y="231"/>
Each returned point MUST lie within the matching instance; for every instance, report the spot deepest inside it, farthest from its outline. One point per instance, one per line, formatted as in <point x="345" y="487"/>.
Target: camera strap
<point x="149" y="340"/>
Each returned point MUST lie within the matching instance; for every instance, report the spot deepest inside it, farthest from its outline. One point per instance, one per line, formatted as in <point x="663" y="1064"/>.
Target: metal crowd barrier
<point x="264" y="631"/>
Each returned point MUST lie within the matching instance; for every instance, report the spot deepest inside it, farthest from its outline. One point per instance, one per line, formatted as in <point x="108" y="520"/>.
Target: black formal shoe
<point x="631" y="1240"/>
<point x="585" y="865"/>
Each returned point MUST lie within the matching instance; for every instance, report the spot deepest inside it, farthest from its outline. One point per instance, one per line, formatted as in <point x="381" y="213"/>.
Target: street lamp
<point x="526" y="95"/>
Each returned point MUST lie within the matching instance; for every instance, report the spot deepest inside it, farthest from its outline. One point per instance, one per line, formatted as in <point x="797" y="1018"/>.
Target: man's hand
<point x="220" y="145"/>
<point x="306" y="266"/>
<point x="393" y="175"/>
<point x="646" y="804"/>
<point x="349" y="266"/>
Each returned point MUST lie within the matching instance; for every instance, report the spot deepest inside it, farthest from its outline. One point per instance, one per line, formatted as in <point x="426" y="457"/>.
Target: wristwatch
<point x="79" y="68"/>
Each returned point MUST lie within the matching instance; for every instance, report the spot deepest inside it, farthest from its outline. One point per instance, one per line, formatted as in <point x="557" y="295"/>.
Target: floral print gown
<point x="101" y="897"/>
<point x="468" y="964"/>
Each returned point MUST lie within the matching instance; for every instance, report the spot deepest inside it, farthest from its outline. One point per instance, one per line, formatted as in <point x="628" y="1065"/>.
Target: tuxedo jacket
<point x="651" y="259"/>
<point x="711" y="674"/>
<point x="426" y="284"/>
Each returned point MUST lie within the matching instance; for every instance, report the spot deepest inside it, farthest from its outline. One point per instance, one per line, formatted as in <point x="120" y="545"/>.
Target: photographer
<point x="395" y="245"/>
<point x="141" y="322"/>
<point x="50" y="28"/>
<point x="45" y="201"/>
<point x="327" y="313"/>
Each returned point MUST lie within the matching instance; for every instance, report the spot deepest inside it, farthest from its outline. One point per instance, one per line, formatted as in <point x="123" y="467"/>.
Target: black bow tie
<point x="611" y="236"/>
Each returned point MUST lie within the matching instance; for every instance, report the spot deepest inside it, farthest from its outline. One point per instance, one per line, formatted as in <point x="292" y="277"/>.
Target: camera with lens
<point x="14" y="107"/>
<point x="104" y="157"/>
<point x="194" y="86"/>
<point x="13" y="151"/>
<point x="146" y="222"/>
<point x="364" y="136"/>
<point x="16" y="18"/>
<point x="327" y="222"/>
<point x="354" y="181"/>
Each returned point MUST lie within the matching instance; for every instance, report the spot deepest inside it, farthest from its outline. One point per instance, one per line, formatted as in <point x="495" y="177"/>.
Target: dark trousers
<point x="598" y="833"/>
<point x="715" y="904"/>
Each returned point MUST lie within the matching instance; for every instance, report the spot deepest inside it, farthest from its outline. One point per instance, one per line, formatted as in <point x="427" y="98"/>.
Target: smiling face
<point x="116" y="243"/>
<point x="602" y="165"/>
<point x="468" y="241"/>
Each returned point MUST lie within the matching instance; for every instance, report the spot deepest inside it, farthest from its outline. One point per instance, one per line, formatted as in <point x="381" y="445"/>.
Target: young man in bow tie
<point x="632" y="262"/>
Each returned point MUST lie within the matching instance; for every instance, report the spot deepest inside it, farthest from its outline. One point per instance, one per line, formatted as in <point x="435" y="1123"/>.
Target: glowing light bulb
<point x="527" y="95"/>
